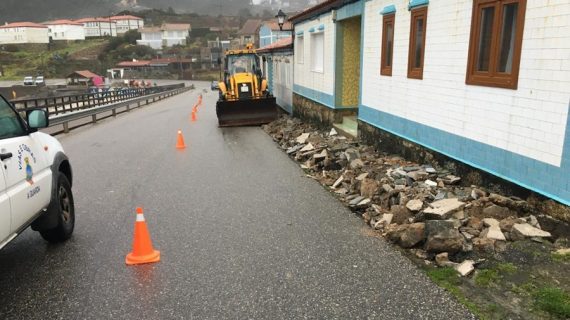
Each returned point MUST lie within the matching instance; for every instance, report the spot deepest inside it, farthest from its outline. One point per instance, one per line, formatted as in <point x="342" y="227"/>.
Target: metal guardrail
<point x="71" y="103"/>
<point x="66" y="118"/>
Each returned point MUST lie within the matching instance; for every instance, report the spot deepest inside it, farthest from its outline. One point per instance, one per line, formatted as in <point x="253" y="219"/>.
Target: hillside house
<point x="23" y="32"/>
<point x="485" y="84"/>
<point x="98" y="27"/>
<point x="127" y="22"/>
<point x="167" y="35"/>
<point x="65" y="30"/>
<point x="269" y="32"/>
<point x="249" y="33"/>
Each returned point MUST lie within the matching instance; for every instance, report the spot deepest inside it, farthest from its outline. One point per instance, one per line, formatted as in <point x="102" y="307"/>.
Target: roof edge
<point x="319" y="9"/>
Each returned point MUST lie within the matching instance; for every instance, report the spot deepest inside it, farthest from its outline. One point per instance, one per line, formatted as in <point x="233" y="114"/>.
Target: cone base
<point x="149" y="258"/>
<point x="180" y="147"/>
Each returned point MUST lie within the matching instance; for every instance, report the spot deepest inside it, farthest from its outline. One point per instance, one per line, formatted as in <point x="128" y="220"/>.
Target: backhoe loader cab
<point x="244" y="98"/>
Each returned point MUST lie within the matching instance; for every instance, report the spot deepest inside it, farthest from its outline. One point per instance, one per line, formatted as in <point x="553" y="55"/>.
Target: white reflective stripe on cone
<point x="140" y="217"/>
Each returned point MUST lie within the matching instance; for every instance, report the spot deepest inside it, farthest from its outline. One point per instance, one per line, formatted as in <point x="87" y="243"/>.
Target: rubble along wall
<point x="318" y="114"/>
<point x="387" y="142"/>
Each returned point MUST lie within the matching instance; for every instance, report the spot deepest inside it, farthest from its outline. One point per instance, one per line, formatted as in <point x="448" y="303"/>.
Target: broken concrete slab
<point x="302" y="138"/>
<point x="490" y="222"/>
<point x="525" y="230"/>
<point x="465" y="268"/>
<point x="430" y="183"/>
<point x="338" y="182"/>
<point x="415" y="205"/>
<point x="443" y="209"/>
<point x="493" y="232"/>
<point x="308" y="147"/>
<point x="355" y="201"/>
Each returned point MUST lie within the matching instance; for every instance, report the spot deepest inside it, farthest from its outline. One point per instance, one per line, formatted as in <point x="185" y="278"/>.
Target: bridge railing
<point x="58" y="105"/>
<point x="73" y="111"/>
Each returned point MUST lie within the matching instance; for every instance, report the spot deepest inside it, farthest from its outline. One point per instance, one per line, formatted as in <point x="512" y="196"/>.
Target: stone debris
<point x="465" y="268"/>
<point x="308" y="147"/>
<point x="525" y="230"/>
<point x="421" y="207"/>
<point x="443" y="209"/>
<point x="493" y="232"/>
<point x="302" y="139"/>
<point x="415" y="205"/>
<point x="338" y="182"/>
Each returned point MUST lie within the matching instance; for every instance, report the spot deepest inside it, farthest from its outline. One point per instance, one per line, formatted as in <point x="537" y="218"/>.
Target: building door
<point x="347" y="71"/>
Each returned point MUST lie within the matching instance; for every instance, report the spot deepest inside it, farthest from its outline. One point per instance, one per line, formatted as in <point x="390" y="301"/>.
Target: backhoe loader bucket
<point x="254" y="111"/>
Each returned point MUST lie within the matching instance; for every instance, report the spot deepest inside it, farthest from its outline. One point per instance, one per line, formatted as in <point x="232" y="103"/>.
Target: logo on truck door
<point x="25" y="159"/>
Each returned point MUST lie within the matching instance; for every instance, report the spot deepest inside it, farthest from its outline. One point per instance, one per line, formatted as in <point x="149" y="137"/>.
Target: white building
<point x="485" y="83"/>
<point x="65" y="30"/>
<point x="278" y="70"/>
<point x="98" y="27"/>
<point x="23" y="32"/>
<point x="168" y="35"/>
<point x="127" y="22"/>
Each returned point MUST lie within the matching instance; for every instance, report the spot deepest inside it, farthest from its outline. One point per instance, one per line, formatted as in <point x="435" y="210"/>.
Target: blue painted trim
<point x="548" y="180"/>
<point x="312" y="30"/>
<point x="321" y="27"/>
<point x="417" y="3"/>
<point x="388" y="10"/>
<point x="270" y="72"/>
<point x="300" y="33"/>
<point x="317" y="96"/>
<point x="350" y="10"/>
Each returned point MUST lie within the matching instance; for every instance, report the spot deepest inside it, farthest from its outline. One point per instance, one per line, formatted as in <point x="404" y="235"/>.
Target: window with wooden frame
<point x="496" y="42"/>
<point x="417" y="43"/>
<point x="387" y="44"/>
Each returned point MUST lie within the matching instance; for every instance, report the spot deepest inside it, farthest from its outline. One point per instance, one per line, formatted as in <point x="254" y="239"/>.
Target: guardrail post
<point x="66" y="127"/>
<point x="114" y="112"/>
<point x="128" y="107"/>
<point x="93" y="118"/>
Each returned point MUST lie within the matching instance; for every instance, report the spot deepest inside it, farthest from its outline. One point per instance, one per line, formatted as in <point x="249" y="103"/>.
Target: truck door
<point x="4" y="208"/>
<point x="26" y="171"/>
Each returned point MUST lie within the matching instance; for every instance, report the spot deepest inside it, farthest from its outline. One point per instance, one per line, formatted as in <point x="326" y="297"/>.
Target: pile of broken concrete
<point x="418" y="207"/>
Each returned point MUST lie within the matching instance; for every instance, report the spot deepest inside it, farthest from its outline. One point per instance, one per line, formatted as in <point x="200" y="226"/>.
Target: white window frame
<point x="300" y="54"/>
<point x="315" y="54"/>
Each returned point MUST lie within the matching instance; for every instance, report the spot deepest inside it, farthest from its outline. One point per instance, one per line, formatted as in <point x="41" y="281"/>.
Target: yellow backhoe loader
<point x="244" y="98"/>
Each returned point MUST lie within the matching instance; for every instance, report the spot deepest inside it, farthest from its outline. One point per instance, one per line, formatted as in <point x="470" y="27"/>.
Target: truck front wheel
<point x="63" y="207"/>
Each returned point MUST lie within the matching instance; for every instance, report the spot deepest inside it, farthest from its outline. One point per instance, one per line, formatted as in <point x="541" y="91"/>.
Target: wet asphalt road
<point x="243" y="234"/>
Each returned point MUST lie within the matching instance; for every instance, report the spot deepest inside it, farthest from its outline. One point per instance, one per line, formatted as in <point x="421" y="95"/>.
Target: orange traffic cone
<point x="180" y="141"/>
<point x="195" y="108"/>
<point x="194" y="116"/>
<point x="143" y="251"/>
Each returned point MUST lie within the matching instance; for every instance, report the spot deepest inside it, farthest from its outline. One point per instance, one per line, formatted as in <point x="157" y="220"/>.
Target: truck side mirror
<point x="38" y="119"/>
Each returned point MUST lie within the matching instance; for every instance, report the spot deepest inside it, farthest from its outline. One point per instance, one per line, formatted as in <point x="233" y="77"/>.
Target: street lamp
<point x="281" y="19"/>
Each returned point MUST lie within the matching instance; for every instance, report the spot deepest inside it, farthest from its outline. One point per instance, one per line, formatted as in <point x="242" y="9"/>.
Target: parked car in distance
<point x="215" y="86"/>
<point x="40" y="81"/>
<point x="29" y="81"/>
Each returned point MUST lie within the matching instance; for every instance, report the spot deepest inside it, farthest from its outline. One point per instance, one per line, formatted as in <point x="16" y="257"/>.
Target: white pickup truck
<point x="35" y="178"/>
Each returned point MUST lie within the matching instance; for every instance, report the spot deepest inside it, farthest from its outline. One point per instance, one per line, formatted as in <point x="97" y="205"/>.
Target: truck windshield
<point x="10" y="125"/>
<point x="243" y="63"/>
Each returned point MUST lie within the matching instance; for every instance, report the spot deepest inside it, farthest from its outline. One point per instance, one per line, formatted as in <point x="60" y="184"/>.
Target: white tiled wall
<point x="530" y="121"/>
<point x="318" y="81"/>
